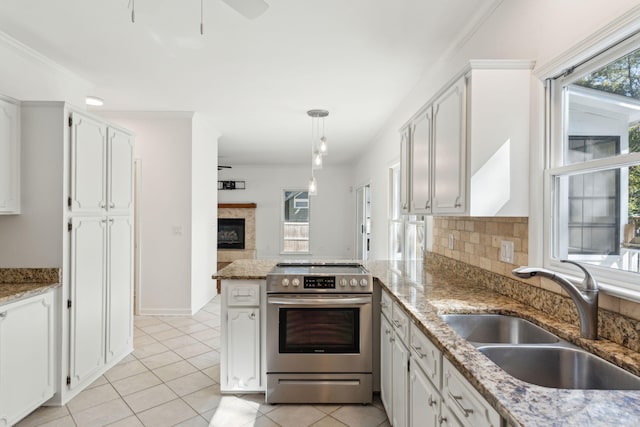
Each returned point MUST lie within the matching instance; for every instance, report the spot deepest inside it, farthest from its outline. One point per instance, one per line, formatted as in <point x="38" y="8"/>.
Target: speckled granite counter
<point x="427" y="291"/>
<point x="19" y="283"/>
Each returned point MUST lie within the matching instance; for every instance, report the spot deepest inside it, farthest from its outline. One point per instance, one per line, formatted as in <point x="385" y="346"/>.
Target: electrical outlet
<point x="451" y="241"/>
<point x="506" y="251"/>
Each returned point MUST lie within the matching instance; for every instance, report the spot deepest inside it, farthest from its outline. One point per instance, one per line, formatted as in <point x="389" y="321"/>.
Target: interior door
<point x="363" y="220"/>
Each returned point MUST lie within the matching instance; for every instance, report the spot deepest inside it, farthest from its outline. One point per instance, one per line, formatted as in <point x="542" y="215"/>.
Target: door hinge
<point x="408" y="365"/>
<point x="70" y="121"/>
<point x="69" y="226"/>
<point x="68" y="380"/>
<point x="69" y="201"/>
<point x="68" y="303"/>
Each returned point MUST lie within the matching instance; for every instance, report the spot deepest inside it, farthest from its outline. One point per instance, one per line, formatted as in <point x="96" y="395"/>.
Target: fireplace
<point x="231" y="233"/>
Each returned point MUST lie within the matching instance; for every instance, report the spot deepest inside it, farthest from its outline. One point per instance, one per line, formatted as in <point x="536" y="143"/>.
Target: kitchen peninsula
<point x="442" y="285"/>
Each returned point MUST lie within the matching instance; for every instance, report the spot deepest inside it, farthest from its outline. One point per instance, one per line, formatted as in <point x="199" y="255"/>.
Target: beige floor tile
<point x="196" y="327"/>
<point x="161" y="359"/>
<point x="131" y="421"/>
<point x="206" y="334"/>
<point x="190" y="383"/>
<point x="143" y="340"/>
<point x="329" y="421"/>
<point x="104" y="414"/>
<point x="142" y="321"/>
<point x="181" y="321"/>
<point x="256" y="400"/>
<point x="100" y="381"/>
<point x="149" y="350"/>
<point x="43" y="415"/>
<point x="194" y="422"/>
<point x="203" y="316"/>
<point x="213" y="373"/>
<point x="181" y="341"/>
<point x="128" y="358"/>
<point x="262" y="421"/>
<point x="60" y="422"/>
<point x="359" y="415"/>
<point x="167" y="414"/>
<point x="92" y="397"/>
<point x="125" y="370"/>
<point x="205" y="360"/>
<point x="204" y="400"/>
<point x="159" y="327"/>
<point x="136" y="383"/>
<point x="296" y="415"/>
<point x="192" y="350"/>
<point x="327" y="409"/>
<point x="146" y="399"/>
<point x="175" y="370"/>
<point x="168" y="334"/>
<point x="231" y="412"/>
<point x="212" y="342"/>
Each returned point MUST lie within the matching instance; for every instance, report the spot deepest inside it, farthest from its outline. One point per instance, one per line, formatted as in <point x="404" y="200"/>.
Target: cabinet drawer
<point x="385" y="304"/>
<point x="247" y="294"/>
<point x="464" y="401"/>
<point x="426" y="355"/>
<point x="400" y="322"/>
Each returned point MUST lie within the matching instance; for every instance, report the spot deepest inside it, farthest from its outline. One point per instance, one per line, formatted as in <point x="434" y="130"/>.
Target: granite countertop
<point x="428" y="291"/>
<point x="19" y="283"/>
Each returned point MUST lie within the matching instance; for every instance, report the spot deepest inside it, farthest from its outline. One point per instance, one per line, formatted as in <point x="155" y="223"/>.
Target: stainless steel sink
<point x="496" y="328"/>
<point x="560" y="367"/>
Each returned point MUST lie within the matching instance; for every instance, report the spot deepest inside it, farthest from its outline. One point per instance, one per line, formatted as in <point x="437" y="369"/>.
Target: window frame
<point x="600" y="52"/>
<point x="283" y="220"/>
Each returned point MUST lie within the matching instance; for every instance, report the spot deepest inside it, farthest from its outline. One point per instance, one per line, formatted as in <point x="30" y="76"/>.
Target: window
<point x="295" y="224"/>
<point x="594" y="170"/>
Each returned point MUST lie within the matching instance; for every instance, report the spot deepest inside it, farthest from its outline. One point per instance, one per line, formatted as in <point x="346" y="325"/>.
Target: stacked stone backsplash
<point x="476" y="255"/>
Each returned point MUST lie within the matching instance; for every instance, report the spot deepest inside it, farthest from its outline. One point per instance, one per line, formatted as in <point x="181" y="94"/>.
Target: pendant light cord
<point x="201" y="17"/>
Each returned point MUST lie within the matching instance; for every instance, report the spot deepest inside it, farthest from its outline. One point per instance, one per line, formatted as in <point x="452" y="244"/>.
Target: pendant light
<point x="318" y="146"/>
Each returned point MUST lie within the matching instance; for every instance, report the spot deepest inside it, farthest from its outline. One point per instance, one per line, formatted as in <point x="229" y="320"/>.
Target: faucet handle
<point x="589" y="282"/>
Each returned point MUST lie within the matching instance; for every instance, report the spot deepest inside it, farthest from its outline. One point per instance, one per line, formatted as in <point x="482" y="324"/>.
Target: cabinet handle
<point x="457" y="205"/>
<point x="442" y="419"/>
<point x="417" y="350"/>
<point x="427" y="205"/>
<point x="112" y="205"/>
<point x="103" y="205"/>
<point x="392" y="339"/>
<point x="387" y="331"/>
<point x="456" y="400"/>
<point x="3" y="314"/>
<point x="432" y="401"/>
<point x="397" y="323"/>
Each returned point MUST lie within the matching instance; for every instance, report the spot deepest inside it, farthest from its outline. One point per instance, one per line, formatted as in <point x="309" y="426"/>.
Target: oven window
<point x="319" y="330"/>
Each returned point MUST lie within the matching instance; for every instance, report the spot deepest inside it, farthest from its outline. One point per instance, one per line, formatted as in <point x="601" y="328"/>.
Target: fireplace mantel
<point x="237" y="205"/>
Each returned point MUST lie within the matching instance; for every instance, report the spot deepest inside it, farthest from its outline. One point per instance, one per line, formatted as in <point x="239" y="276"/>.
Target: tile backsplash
<point x="476" y="242"/>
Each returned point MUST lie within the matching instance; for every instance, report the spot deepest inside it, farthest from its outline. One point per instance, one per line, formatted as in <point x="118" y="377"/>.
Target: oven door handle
<point x="320" y="301"/>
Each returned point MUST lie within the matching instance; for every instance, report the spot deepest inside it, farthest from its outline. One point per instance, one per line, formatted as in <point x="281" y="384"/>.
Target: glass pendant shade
<point x="323" y="148"/>
<point x="313" y="186"/>
<point x="317" y="160"/>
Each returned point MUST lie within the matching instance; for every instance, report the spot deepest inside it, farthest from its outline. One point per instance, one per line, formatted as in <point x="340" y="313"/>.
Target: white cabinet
<point x="400" y="382"/>
<point x="425" y="400"/>
<point x="27" y="345"/>
<point x="9" y="158"/>
<point x="386" y="362"/>
<point x="79" y="217"/>
<point x="405" y="173"/>
<point x="242" y="359"/>
<point x="471" y="136"/>
<point x="102" y="167"/>
<point x="470" y="408"/>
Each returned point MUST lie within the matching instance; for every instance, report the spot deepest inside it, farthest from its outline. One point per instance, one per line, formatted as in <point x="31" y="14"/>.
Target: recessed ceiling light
<point x="94" y="101"/>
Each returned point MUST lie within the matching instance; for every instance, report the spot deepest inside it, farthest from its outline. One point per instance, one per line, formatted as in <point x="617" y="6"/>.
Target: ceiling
<point x="255" y="79"/>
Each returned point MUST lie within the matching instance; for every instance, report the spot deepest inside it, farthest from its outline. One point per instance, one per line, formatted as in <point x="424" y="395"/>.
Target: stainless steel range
<point x="319" y="333"/>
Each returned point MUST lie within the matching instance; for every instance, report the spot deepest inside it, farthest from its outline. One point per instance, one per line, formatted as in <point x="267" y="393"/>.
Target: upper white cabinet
<point x="468" y="147"/>
<point x="9" y="158"/>
<point x="101" y="172"/>
<point x="405" y="174"/>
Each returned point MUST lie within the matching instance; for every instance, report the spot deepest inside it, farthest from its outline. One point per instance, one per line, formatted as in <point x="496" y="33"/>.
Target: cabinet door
<point x="449" y="150"/>
<point x="243" y="348"/>
<point x="9" y="159"/>
<point x="386" y="366"/>
<point x="424" y="405"/>
<point x="400" y="393"/>
<point x="88" y="164"/>
<point x="421" y="163"/>
<point x="120" y="176"/>
<point x="87" y="319"/>
<point x="27" y="347"/>
<point x="119" y="287"/>
<point x="405" y="174"/>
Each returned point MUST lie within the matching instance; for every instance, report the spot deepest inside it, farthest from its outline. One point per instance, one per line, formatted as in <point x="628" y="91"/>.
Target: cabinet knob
<point x="432" y="401"/>
<point x="103" y="205"/>
<point x="252" y="315"/>
<point x="3" y="314"/>
<point x="442" y="419"/>
<point x="457" y="205"/>
<point x="112" y="205"/>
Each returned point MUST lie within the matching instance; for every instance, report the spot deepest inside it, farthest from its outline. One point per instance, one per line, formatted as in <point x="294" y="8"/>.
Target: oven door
<point x="319" y="333"/>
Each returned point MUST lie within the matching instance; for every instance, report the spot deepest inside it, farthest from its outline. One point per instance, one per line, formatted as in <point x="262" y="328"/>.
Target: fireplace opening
<point x="230" y="233"/>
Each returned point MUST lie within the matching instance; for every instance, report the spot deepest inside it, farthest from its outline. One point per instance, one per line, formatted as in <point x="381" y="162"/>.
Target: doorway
<point x="363" y="222"/>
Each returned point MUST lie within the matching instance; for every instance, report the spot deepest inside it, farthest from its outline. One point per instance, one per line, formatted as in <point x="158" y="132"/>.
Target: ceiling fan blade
<point x="250" y="9"/>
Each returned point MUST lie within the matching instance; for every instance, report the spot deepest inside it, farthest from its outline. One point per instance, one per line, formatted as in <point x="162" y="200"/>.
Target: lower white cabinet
<point x="242" y="361"/>
<point x="400" y="383"/>
<point x="425" y="400"/>
<point x="386" y="373"/>
<point x="27" y="346"/>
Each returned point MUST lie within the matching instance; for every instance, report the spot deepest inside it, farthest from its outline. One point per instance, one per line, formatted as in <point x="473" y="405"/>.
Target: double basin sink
<point x="534" y="355"/>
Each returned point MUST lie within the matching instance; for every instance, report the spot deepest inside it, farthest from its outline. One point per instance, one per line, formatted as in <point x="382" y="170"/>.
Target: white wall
<point x="204" y="211"/>
<point x="517" y="29"/>
<point x="163" y="144"/>
<point x="332" y="210"/>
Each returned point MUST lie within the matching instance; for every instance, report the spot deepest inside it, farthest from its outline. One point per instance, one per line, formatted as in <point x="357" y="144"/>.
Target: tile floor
<point x="172" y="379"/>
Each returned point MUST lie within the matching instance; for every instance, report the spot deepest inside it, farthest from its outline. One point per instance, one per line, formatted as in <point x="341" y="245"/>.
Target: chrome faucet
<point x="586" y="299"/>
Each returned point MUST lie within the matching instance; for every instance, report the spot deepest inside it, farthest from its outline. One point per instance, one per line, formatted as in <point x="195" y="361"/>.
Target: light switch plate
<point x="506" y="251"/>
<point x="451" y="240"/>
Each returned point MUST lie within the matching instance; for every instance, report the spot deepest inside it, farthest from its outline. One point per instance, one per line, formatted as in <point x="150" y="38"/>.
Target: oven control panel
<point x="319" y="282"/>
<point x="323" y="283"/>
